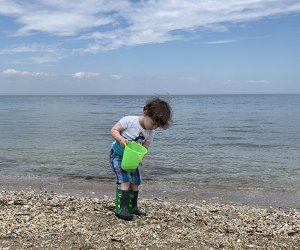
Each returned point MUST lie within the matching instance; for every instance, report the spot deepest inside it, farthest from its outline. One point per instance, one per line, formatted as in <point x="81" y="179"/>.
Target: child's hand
<point x="123" y="142"/>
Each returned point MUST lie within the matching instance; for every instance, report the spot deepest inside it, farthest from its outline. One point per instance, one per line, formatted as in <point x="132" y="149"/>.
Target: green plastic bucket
<point x="133" y="155"/>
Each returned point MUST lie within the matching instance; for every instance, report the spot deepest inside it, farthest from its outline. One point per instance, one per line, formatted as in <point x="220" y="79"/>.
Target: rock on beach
<point x="45" y="220"/>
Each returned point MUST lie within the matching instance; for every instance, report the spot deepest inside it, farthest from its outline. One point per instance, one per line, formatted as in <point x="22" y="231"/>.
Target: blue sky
<point x="149" y="47"/>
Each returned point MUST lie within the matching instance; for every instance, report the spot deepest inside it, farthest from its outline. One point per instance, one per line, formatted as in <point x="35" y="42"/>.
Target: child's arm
<point x="116" y="133"/>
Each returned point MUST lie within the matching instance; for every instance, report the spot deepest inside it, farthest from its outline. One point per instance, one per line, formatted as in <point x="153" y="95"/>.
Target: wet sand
<point x="151" y="189"/>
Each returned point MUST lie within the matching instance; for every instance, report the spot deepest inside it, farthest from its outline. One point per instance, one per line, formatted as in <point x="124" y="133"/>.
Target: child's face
<point x="149" y="124"/>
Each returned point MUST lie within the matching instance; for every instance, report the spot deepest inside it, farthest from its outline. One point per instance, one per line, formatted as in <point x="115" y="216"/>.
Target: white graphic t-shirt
<point x="133" y="131"/>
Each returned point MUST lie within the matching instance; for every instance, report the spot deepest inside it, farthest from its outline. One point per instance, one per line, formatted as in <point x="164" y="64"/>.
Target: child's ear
<point x="145" y="112"/>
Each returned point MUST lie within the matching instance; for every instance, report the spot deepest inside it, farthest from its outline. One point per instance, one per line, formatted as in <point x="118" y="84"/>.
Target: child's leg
<point x="134" y="193"/>
<point x="121" y="205"/>
<point x="122" y="177"/>
<point x="123" y="184"/>
<point x="134" y="187"/>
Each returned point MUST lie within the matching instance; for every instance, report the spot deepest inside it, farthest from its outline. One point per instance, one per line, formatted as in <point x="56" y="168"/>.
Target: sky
<point x="149" y="47"/>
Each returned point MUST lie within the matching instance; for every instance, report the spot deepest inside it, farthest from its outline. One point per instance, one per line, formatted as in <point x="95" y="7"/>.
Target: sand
<point x="34" y="219"/>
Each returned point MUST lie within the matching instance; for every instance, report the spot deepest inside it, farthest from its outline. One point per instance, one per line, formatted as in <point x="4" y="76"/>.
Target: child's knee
<point x="124" y="186"/>
<point x="134" y="187"/>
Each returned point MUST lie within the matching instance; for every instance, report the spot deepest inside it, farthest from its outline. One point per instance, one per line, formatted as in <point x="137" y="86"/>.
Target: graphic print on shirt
<point x="140" y="138"/>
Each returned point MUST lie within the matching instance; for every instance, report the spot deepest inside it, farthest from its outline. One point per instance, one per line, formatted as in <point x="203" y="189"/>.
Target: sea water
<point x="222" y="141"/>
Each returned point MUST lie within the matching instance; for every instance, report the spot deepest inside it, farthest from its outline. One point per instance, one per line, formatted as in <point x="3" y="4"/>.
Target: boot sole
<point x="124" y="218"/>
<point x="137" y="214"/>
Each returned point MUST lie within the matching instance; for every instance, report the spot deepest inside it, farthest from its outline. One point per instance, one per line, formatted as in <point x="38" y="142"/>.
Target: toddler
<point x="157" y="113"/>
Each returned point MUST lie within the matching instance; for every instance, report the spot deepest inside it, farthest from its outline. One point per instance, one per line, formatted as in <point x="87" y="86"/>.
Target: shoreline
<point x="42" y="219"/>
<point x="183" y="193"/>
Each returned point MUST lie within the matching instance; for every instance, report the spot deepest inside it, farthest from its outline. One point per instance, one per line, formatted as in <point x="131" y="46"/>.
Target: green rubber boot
<point x="132" y="203"/>
<point x="121" y="202"/>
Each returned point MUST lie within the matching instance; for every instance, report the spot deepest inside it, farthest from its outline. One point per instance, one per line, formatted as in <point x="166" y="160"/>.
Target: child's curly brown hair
<point x="159" y="111"/>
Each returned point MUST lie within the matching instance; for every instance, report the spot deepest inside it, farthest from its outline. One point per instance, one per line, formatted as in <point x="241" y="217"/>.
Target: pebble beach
<point x="47" y="220"/>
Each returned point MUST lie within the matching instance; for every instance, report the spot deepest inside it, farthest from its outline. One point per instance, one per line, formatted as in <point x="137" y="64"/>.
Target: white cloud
<point x="105" y="25"/>
<point x="189" y="78"/>
<point x="81" y="75"/>
<point x="32" y="48"/>
<point x="156" y="22"/>
<point x="221" y="41"/>
<point x="116" y="77"/>
<point x="14" y="72"/>
<point x="57" y="17"/>
<point x="257" y="81"/>
<point x="39" y="53"/>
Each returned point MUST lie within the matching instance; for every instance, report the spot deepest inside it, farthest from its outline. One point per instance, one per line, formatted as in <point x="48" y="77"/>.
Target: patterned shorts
<point x="121" y="175"/>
